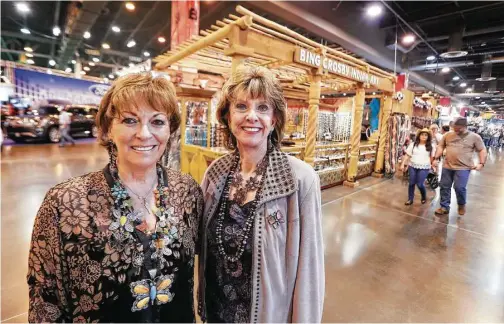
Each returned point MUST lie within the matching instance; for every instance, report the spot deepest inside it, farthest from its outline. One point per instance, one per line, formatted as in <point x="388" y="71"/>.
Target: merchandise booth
<point x="325" y="133"/>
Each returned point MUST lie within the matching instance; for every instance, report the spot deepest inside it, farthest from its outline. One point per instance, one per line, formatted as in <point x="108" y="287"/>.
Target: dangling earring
<point x="270" y="141"/>
<point x="230" y="142"/>
<point x="112" y="151"/>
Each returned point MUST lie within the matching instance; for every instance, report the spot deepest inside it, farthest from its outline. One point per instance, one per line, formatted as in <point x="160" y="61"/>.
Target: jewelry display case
<point x="367" y="159"/>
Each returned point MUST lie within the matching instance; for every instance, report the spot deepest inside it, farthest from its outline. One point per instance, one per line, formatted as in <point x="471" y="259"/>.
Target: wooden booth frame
<point x="306" y="69"/>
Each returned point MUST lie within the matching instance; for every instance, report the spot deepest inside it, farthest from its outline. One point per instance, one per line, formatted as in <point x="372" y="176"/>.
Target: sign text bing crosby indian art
<point x="307" y="57"/>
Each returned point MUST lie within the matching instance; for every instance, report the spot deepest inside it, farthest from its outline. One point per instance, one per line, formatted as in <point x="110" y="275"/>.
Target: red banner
<point x="402" y="82"/>
<point x="185" y="21"/>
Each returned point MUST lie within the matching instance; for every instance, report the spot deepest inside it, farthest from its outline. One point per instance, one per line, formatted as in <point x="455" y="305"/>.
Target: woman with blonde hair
<point x="262" y="255"/>
<point x="118" y="245"/>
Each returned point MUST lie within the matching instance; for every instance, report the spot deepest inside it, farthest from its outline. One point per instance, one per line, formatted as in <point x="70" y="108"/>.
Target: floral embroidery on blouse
<point x="78" y="272"/>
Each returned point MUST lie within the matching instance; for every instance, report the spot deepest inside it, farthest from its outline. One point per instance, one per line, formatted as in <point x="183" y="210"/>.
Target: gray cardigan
<point x="288" y="255"/>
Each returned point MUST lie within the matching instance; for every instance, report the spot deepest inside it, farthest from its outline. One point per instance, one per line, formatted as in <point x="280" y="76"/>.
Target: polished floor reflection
<point x="385" y="262"/>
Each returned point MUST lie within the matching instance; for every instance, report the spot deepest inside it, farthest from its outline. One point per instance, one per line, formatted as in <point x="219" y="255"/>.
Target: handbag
<point x="433" y="180"/>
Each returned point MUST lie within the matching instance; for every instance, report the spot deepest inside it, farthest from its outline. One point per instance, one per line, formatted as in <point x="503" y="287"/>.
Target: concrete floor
<point x="385" y="262"/>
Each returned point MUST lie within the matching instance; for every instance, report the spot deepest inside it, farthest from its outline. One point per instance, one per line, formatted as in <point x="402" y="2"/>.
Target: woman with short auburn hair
<point x="261" y="255"/>
<point x="118" y="245"/>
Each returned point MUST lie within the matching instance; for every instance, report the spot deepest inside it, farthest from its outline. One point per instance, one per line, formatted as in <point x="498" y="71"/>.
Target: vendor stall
<point x="307" y="71"/>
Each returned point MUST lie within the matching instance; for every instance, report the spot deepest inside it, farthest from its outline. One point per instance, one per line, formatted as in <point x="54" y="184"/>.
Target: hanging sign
<point x="137" y="68"/>
<point x="307" y="57"/>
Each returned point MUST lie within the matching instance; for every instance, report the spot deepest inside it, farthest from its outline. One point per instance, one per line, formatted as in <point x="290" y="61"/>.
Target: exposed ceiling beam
<point x="86" y="17"/>
<point x="435" y="66"/>
<point x="118" y="13"/>
<point x="55" y="23"/>
<point x="31" y="38"/>
<point x="8" y="50"/>
<point x="417" y="34"/>
<point x="452" y="13"/>
<point x="5" y="46"/>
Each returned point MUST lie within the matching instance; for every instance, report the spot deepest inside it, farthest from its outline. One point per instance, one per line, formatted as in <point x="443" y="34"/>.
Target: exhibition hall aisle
<point x="385" y="262"/>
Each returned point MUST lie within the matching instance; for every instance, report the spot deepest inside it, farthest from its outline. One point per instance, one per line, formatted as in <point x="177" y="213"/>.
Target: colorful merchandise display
<point x="398" y="131"/>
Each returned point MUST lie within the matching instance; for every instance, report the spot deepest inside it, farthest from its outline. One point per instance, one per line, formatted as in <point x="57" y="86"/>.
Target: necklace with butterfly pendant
<point x="164" y="242"/>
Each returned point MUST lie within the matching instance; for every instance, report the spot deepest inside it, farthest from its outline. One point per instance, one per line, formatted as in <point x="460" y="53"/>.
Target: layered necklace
<point x="242" y="188"/>
<point x="163" y="240"/>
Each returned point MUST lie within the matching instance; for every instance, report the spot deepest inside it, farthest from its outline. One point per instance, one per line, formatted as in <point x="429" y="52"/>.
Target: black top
<point x="229" y="285"/>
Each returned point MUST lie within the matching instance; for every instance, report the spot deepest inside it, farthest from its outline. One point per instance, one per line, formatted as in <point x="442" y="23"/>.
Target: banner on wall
<point x="185" y="21"/>
<point x="43" y="87"/>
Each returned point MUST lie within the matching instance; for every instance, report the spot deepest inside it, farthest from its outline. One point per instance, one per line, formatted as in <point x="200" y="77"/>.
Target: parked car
<point x="43" y="123"/>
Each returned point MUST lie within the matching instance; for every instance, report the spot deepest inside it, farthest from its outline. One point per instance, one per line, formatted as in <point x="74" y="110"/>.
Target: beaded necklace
<point x="156" y="289"/>
<point x="224" y="209"/>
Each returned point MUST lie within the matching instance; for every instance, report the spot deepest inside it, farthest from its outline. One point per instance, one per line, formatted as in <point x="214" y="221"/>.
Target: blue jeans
<point x="417" y="177"/>
<point x="457" y="178"/>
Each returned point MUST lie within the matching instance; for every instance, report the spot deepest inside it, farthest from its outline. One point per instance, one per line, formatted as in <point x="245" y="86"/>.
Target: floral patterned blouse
<point x="76" y="271"/>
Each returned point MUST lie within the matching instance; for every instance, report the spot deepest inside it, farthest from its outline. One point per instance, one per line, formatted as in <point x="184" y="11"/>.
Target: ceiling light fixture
<point x="83" y="72"/>
<point x="28" y="55"/>
<point x="52" y="62"/>
<point x="25" y="31"/>
<point x="344" y="94"/>
<point x="96" y="60"/>
<point x="87" y="35"/>
<point x="74" y="62"/>
<point x="408" y="39"/>
<point x="161" y="39"/>
<point x="431" y="58"/>
<point x="445" y="69"/>
<point x="130" y="6"/>
<point x="374" y="10"/>
<point x="86" y="68"/>
<point x="116" y="29"/>
<point x="30" y="61"/>
<point x="131" y="43"/>
<point x="483" y="44"/>
<point x="111" y="76"/>
<point x="91" y="64"/>
<point x="68" y="70"/>
<point x="456" y="78"/>
<point x="22" y="7"/>
<point x="463" y="85"/>
<point x="146" y="54"/>
<point x="56" y="31"/>
<point x="483" y="103"/>
<point x="28" y="49"/>
<point x="105" y="46"/>
<point x="477" y="97"/>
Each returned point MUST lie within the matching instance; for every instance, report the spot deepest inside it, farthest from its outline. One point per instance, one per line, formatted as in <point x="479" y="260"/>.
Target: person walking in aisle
<point x="460" y="146"/>
<point x="445" y="129"/>
<point x="64" y="127"/>
<point x="419" y="155"/>
<point x="436" y="135"/>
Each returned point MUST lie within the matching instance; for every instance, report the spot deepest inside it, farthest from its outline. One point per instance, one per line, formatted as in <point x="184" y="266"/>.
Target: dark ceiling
<point x="481" y="24"/>
<point x="482" y="27"/>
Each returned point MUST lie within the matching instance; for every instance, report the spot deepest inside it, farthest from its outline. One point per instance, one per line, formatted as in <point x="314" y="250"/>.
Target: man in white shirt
<point x="64" y="126"/>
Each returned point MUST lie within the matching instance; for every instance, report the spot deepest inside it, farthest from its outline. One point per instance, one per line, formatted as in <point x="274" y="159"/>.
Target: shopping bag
<point x="433" y="180"/>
